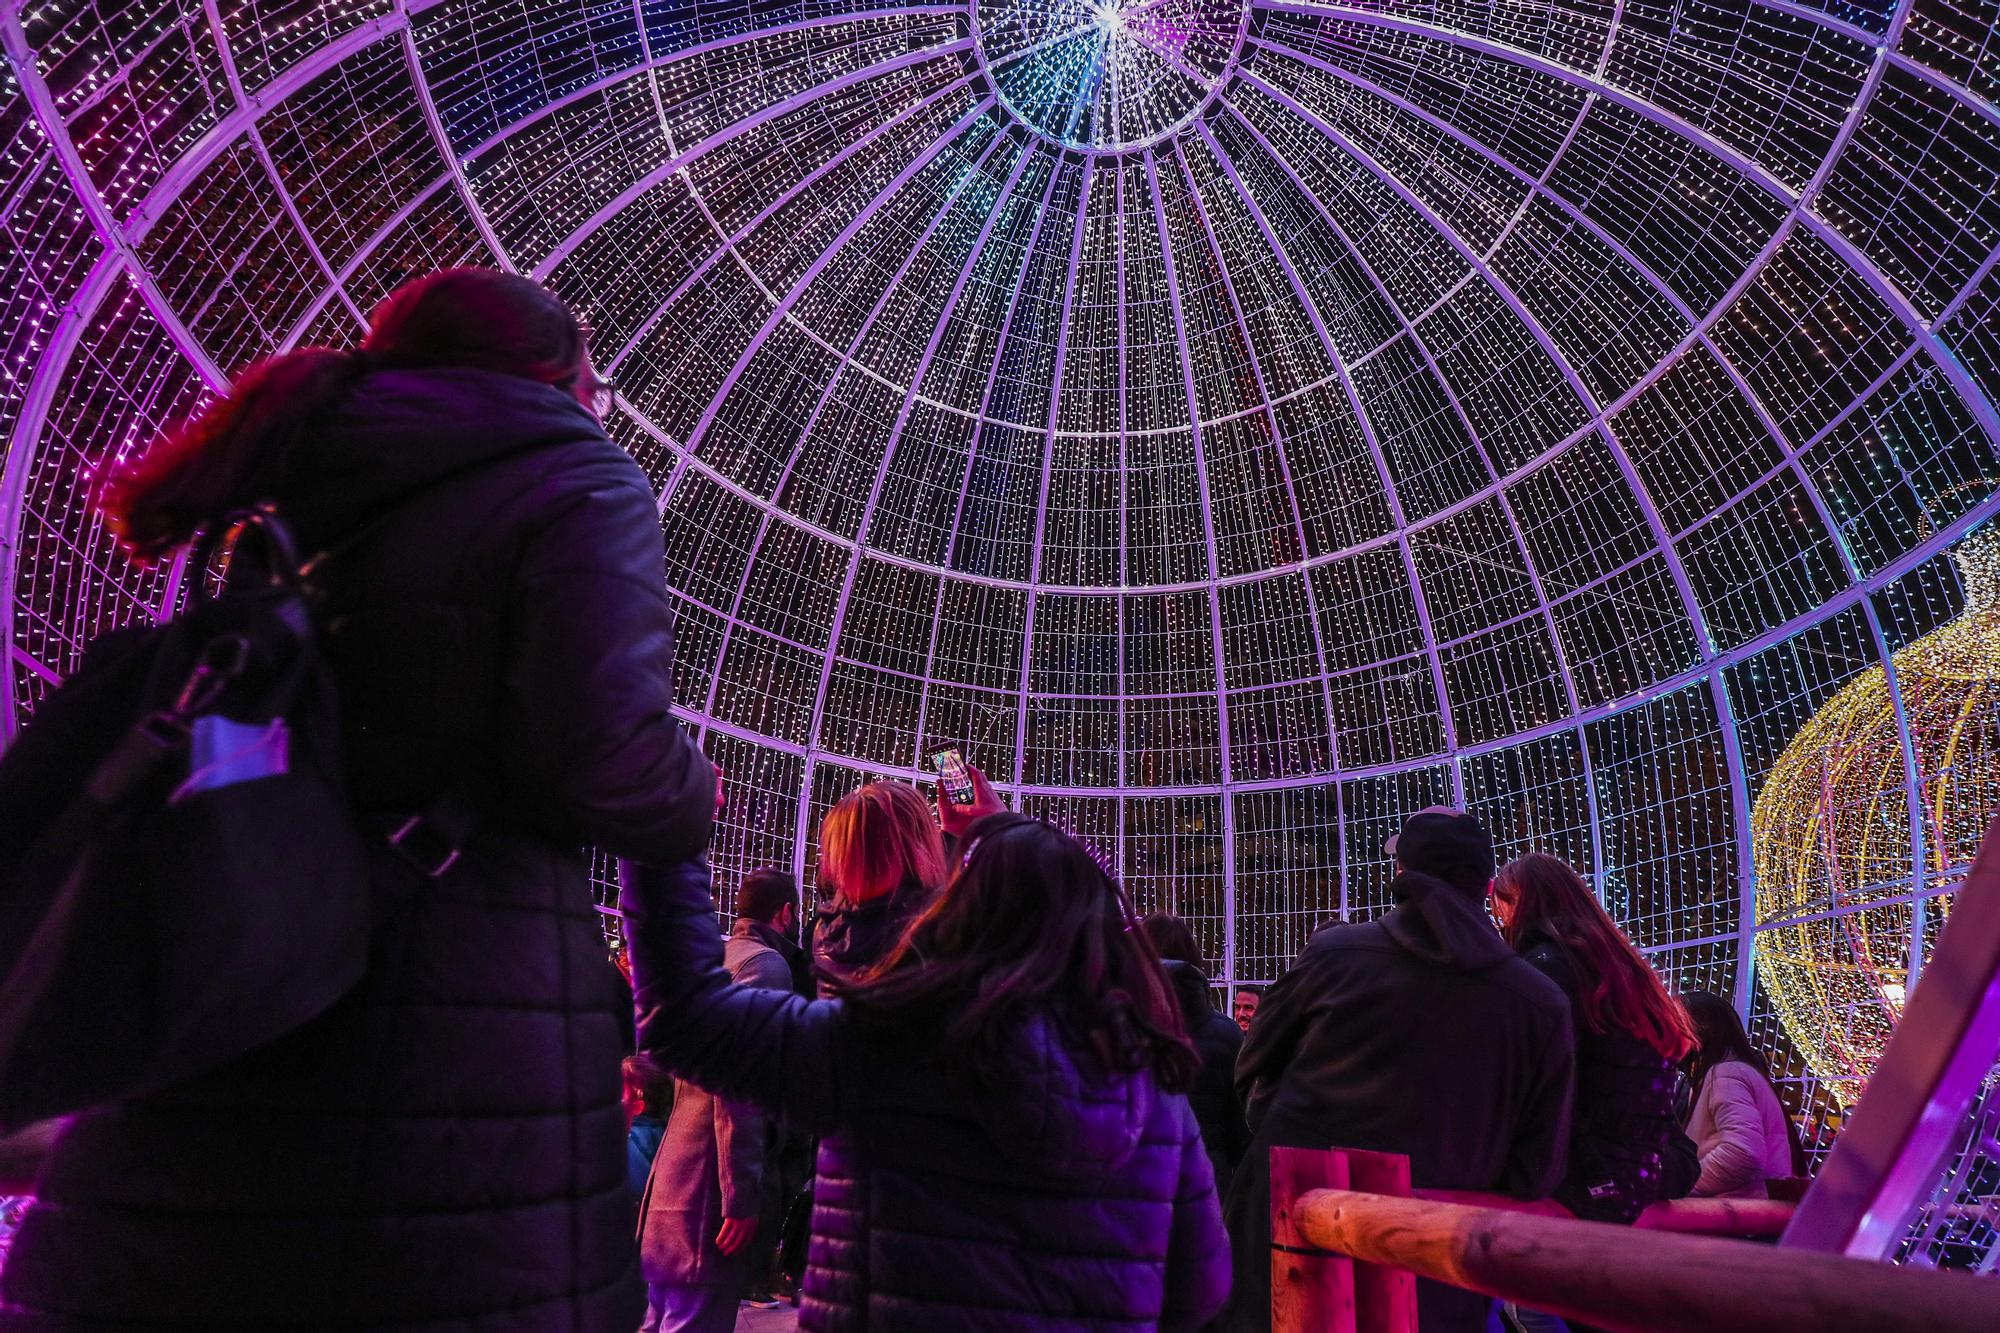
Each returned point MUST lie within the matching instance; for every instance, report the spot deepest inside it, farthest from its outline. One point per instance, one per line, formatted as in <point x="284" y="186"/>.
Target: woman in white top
<point x="1740" y="1130"/>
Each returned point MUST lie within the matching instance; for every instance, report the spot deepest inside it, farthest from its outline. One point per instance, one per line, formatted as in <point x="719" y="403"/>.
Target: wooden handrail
<point x="1761" y="1219"/>
<point x="1657" y="1283"/>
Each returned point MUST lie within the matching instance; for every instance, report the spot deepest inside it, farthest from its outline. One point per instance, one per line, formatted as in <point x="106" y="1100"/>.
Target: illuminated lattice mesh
<point x="1233" y="425"/>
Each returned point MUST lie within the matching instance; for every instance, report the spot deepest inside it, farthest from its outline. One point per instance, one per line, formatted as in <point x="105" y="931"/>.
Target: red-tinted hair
<point x="1617" y="991"/>
<point x="876" y="839"/>
<point x="245" y="446"/>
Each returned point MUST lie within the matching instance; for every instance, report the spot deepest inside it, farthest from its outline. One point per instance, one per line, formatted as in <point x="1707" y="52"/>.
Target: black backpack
<point x="181" y="876"/>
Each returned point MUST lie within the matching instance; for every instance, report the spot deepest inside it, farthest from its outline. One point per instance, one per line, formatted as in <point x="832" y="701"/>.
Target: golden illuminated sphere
<point x="1831" y="831"/>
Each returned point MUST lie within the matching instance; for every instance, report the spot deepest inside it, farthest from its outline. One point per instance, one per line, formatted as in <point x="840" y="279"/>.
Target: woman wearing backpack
<point x="445" y="1146"/>
<point x="1006" y="1140"/>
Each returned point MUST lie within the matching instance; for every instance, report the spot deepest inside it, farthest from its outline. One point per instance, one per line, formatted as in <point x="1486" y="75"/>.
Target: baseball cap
<point x="1447" y="843"/>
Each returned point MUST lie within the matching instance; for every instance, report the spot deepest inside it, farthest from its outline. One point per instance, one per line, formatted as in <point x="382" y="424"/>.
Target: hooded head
<point x="1446" y="844"/>
<point x="1444" y="863"/>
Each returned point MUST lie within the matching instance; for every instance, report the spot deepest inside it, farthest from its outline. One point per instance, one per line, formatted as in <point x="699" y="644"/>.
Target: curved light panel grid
<point x="1233" y="427"/>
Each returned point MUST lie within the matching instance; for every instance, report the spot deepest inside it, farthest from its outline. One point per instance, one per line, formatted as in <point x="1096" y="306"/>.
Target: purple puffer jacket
<point x="1065" y="1202"/>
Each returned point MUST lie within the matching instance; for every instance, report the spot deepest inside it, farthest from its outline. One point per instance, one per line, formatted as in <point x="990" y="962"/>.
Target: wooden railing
<point x="1613" y="1277"/>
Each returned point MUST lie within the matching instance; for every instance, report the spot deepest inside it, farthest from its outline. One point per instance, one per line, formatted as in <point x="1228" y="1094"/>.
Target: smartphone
<point x="957" y="783"/>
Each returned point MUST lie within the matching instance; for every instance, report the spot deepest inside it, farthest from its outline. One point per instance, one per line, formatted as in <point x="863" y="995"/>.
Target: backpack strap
<point x="432" y="839"/>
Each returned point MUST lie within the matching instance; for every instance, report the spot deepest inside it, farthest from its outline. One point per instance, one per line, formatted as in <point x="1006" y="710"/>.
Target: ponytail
<point x="239" y="451"/>
<point x="247" y="447"/>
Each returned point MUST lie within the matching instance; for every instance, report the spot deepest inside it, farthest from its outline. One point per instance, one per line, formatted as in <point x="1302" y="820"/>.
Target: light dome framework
<point x="1544" y="407"/>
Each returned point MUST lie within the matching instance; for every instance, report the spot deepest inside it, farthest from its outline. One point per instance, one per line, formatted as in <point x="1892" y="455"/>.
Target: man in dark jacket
<point x="1419" y="1033"/>
<point x="464" y="1144"/>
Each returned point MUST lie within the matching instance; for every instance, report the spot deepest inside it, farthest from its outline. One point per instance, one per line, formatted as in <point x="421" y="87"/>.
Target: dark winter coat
<point x="712" y="1162"/>
<point x="1419" y="1033"/>
<point x="848" y="937"/>
<point x="1069" y="1200"/>
<point x="444" y="1148"/>
<point x="1626" y="1148"/>
<point x="1217" y="1040"/>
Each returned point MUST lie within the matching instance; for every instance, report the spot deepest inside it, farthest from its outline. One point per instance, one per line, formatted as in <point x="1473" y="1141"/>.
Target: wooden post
<point x="1312" y="1291"/>
<point x="1385" y="1299"/>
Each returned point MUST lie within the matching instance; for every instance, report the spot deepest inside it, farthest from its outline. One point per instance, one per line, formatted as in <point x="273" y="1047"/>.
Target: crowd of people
<point x="1026" y="1105"/>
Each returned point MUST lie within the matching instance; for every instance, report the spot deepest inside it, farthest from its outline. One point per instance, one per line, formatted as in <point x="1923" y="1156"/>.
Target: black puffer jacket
<point x="1217" y="1040"/>
<point x="1066" y="1201"/>
<point x="849" y="938"/>
<point x="1626" y="1147"/>
<point x="444" y="1149"/>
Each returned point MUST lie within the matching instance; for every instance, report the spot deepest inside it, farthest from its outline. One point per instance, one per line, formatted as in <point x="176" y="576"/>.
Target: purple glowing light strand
<point x="41" y="104"/>
<point x="783" y="306"/>
<point x="842" y="366"/>
<point x="1598" y="418"/>
<point x="771" y="210"/>
<point x="1027" y="152"/>
<point x="958" y="511"/>
<point x="345" y="273"/>
<point x="1547" y="614"/>
<point x="1799" y="213"/>
<point x="234" y="79"/>
<point x="1214" y="570"/>
<point x="1447" y="728"/>
<point x="1277" y="436"/>
<point x="1884" y="579"/>
<point x="649" y="64"/>
<point x="1040" y="537"/>
<point x="734" y="130"/>
<point x="25" y="447"/>
<point x="453" y="166"/>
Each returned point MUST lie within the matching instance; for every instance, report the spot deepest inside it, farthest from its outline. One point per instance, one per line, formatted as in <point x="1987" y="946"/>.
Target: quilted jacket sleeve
<point x="590" y="677"/>
<point x="1198" y="1247"/>
<point x="769" y="1048"/>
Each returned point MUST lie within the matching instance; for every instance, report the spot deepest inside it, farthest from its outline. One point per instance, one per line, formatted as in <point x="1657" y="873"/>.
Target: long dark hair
<point x="1617" y="991"/>
<point x="1031" y="923"/>
<point x="1720" y="1037"/>
<point x="1173" y="939"/>
<point x="246" y="445"/>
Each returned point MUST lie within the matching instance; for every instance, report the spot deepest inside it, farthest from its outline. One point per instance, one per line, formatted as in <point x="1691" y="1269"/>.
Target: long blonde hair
<point x="875" y="839"/>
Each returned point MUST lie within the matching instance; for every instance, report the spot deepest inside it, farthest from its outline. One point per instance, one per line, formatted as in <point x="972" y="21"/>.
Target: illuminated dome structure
<point x="1233" y="423"/>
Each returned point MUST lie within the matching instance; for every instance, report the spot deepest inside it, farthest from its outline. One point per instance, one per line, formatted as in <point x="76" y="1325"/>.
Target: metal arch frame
<point x="736" y="129"/>
<point x="1705" y="644"/>
<point x="1277" y="436"/>
<point x="1214" y="570"/>
<point x="427" y="102"/>
<point x="1026" y="151"/>
<point x="1758" y="175"/>
<point x="1400" y="534"/>
<point x="648" y="63"/>
<point x="782" y="305"/>
<point x="770" y="514"/>
<point x="1498" y="491"/>
<point x="1089" y="170"/>
<point x="1234" y="909"/>
<point x="1699" y="335"/>
<point x="1729" y="729"/>
<point x="24" y="448"/>
<point x="120" y="246"/>
<point x="1887" y="577"/>
<point x="941" y="570"/>
<point x="728" y="246"/>
<point x="255" y="138"/>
